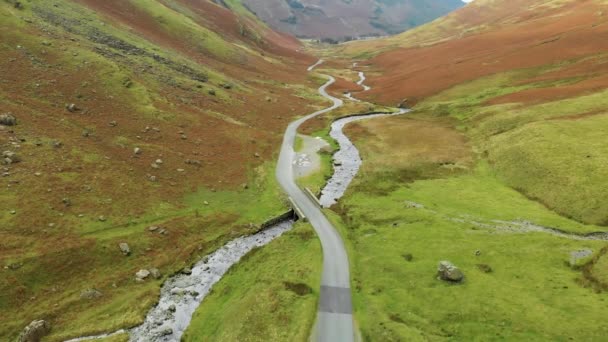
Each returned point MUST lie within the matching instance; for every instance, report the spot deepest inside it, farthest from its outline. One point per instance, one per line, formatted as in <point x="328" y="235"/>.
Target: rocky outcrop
<point x="448" y="272"/>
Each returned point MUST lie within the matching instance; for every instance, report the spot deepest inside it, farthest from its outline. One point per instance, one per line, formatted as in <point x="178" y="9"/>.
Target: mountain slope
<point x="337" y="19"/>
<point x="131" y="114"/>
<point x="499" y="168"/>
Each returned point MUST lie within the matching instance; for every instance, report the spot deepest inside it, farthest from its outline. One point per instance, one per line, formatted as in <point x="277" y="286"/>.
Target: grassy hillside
<point x="523" y="85"/>
<point x="132" y="114"/>
<point x="506" y="140"/>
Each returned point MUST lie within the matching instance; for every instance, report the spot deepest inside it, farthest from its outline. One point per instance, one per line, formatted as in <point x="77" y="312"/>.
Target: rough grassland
<point x="399" y="223"/>
<point x="271" y="295"/>
<point x="142" y="74"/>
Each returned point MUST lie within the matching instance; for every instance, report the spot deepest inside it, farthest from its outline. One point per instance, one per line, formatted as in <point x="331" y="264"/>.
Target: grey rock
<point x="153" y="228"/>
<point x="10" y="157"/>
<point x="124" y="248"/>
<point x="166" y="332"/>
<point x="89" y="294"/>
<point x="72" y="108"/>
<point x="142" y="274"/>
<point x="35" y="331"/>
<point x="137" y="151"/>
<point x="155" y="273"/>
<point x="8" y="119"/>
<point x="177" y="291"/>
<point x="448" y="272"/>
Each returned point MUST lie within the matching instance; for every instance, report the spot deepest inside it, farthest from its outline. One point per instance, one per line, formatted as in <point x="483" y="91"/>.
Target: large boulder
<point x="448" y="272"/>
<point x="35" y="331"/>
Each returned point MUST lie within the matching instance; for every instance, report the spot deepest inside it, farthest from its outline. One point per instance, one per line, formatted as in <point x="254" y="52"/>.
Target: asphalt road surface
<point x="335" y="319"/>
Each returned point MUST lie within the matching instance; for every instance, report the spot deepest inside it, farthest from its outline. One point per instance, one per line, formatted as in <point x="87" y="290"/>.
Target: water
<point x="347" y="160"/>
<point x="182" y="294"/>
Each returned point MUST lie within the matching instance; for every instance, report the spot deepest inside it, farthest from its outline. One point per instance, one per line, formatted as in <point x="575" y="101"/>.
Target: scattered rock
<point x="67" y="202"/>
<point x="484" y="268"/>
<point x="477" y="252"/>
<point x="89" y="294"/>
<point x="124" y="248"/>
<point x="211" y="92"/>
<point x="72" y="108"/>
<point x="113" y="123"/>
<point x="14" y="266"/>
<point x="184" y="137"/>
<point x="177" y="291"/>
<point x="257" y="155"/>
<point x="153" y="228"/>
<point x="166" y="332"/>
<point x="448" y="272"/>
<point x="10" y="157"/>
<point x="137" y="151"/>
<point x="35" y="331"/>
<point x="408" y="257"/>
<point x="8" y="119"/>
<point x="86" y="133"/>
<point x="227" y="86"/>
<point x="57" y="144"/>
<point x="172" y="308"/>
<point x="187" y="271"/>
<point x="102" y="218"/>
<point x="141" y="275"/>
<point x="404" y="104"/>
<point x="193" y="162"/>
<point x="155" y="273"/>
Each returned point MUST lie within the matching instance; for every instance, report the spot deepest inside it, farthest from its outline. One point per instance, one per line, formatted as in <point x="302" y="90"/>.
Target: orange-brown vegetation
<point x="522" y="34"/>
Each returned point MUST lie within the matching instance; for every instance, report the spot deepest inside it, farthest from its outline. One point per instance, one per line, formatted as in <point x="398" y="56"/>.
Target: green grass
<point x="271" y="295"/>
<point x="396" y="299"/>
<point x="536" y="148"/>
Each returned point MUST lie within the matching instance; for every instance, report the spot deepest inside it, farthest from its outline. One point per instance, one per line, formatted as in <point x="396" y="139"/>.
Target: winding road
<point x="335" y="320"/>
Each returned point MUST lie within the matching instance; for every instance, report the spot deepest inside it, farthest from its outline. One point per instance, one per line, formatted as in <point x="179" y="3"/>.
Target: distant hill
<point x="337" y="19"/>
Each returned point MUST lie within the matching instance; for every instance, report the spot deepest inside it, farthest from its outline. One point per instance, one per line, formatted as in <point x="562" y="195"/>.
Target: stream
<point x="347" y="160"/>
<point x="182" y="294"/>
